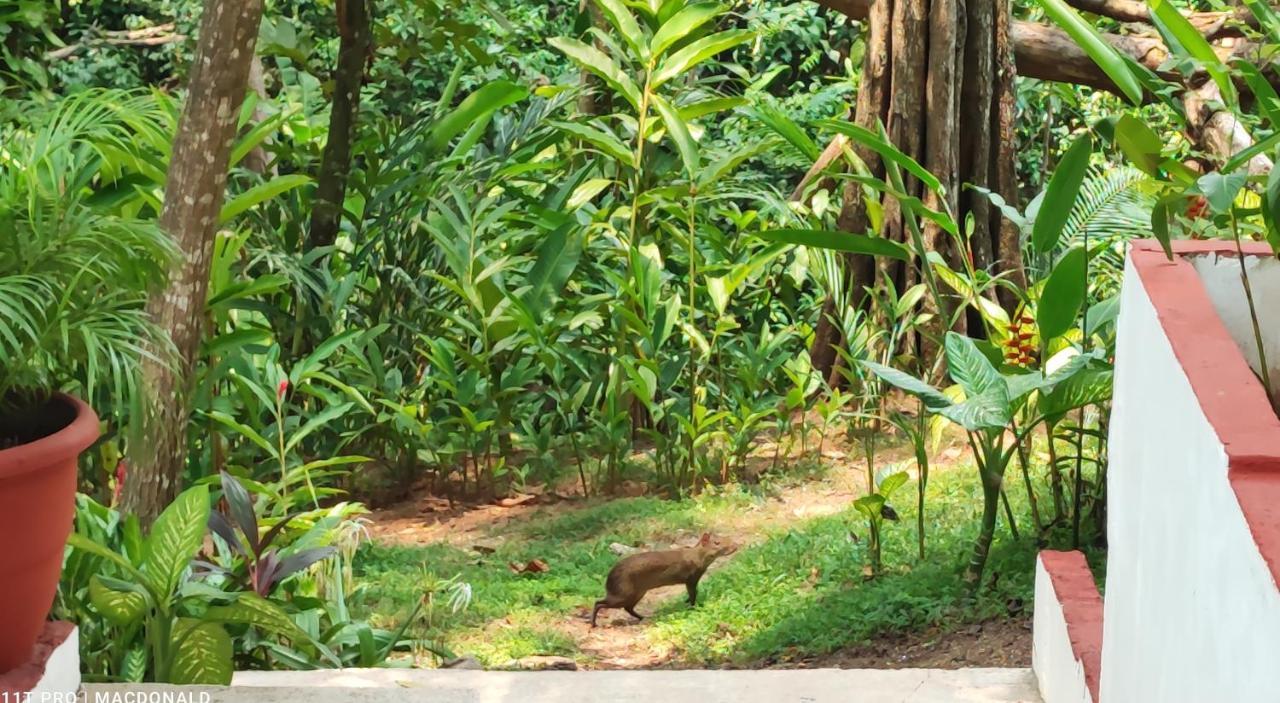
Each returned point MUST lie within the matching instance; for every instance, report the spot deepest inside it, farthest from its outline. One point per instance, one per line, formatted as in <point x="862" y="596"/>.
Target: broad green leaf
<point x="1271" y="208"/>
<point x="1267" y="100"/>
<point x="1140" y="143"/>
<point x="839" y="241"/>
<point x="1060" y="195"/>
<point x="1160" y="225"/>
<point x="1063" y="295"/>
<point x="593" y="60"/>
<point x="260" y="194"/>
<point x="243" y="430"/>
<point x="78" y="541"/>
<point x="251" y="609"/>
<point x="1089" y="387"/>
<point x="202" y="654"/>
<point x="988" y="411"/>
<point x="1221" y="190"/>
<point x="317" y="422"/>
<point x="134" y="667"/>
<point x="476" y="108"/>
<point x="602" y="140"/>
<point x="118" y="606"/>
<point x="680" y="62"/>
<point x="1102" y="53"/>
<point x="1244" y="156"/>
<point x="970" y="368"/>
<point x="1019" y="385"/>
<point x="933" y="398"/>
<point x="886" y="151"/>
<point x="891" y="483"/>
<point x="557" y="257"/>
<point x="682" y="24"/>
<point x="702" y="108"/>
<point x="870" y="505"/>
<point x="679" y="132"/>
<point x="176" y="537"/>
<point x="625" y="22"/>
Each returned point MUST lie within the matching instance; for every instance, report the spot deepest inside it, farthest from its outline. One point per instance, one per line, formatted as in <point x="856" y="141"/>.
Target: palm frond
<point x="75" y="269"/>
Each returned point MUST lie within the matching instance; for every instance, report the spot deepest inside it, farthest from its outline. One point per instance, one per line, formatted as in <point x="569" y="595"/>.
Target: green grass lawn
<point x="796" y="588"/>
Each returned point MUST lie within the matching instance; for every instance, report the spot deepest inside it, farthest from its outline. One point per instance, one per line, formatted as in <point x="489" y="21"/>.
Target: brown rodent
<point x="637" y="574"/>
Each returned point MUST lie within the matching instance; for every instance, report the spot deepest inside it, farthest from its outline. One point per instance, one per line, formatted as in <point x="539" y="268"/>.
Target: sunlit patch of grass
<point x="798" y="589"/>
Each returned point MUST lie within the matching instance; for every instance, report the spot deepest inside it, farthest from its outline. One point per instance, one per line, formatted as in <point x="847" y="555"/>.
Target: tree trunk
<point x="938" y="74"/>
<point x="355" y="30"/>
<point x="592" y="100"/>
<point x="258" y="159"/>
<point x="194" y="192"/>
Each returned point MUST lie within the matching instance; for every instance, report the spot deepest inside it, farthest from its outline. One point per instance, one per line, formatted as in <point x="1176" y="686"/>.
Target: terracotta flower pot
<point x="37" y="509"/>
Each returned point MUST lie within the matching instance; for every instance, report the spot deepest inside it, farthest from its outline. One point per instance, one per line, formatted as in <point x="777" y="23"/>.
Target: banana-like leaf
<point x="625" y="22"/>
<point x="680" y="62"/>
<point x="1060" y="195"/>
<point x="604" y="141"/>
<point x="592" y="59"/>
<point x="933" y="398"/>
<point x="476" y="108"/>
<point x="1063" y="295"/>
<point x="679" y="132"/>
<point x="839" y="241"/>
<point x="682" y="24"/>
<point x="260" y="194"/>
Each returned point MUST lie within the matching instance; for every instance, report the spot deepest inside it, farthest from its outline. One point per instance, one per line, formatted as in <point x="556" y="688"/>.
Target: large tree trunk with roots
<point x="957" y="58"/>
<point x="193" y="198"/>
<point x="938" y="75"/>
<point x="355" y="30"/>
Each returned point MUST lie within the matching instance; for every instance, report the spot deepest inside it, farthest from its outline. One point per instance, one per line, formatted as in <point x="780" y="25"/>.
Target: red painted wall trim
<point x="25" y="677"/>
<point x="1229" y="393"/>
<point x="1082" y="609"/>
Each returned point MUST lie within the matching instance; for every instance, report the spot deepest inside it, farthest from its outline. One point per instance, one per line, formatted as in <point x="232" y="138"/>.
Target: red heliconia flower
<point x="1199" y="205"/>
<point x="282" y="389"/>
<point x="121" y="470"/>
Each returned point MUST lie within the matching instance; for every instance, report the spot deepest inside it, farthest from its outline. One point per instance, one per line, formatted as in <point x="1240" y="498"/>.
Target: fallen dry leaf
<point x="517" y="500"/>
<point x="536" y="566"/>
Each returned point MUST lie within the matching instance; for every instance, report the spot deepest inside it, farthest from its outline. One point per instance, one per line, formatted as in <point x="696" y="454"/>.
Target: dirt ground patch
<point x="620" y="642"/>
<point x="995" y="643"/>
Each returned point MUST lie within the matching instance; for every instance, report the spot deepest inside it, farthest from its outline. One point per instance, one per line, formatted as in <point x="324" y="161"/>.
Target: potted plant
<point x="75" y="264"/>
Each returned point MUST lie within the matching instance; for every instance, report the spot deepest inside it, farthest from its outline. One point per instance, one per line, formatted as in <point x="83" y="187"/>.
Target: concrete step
<point x="772" y="686"/>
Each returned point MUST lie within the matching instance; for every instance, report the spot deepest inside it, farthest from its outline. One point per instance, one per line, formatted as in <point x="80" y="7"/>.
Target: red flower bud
<point x="282" y="389"/>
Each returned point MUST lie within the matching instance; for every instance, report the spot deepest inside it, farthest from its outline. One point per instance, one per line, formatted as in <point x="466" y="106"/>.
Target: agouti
<point x="637" y="574"/>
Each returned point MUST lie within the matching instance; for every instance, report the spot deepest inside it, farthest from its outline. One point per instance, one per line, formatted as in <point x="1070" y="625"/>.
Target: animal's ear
<point x="706" y="539"/>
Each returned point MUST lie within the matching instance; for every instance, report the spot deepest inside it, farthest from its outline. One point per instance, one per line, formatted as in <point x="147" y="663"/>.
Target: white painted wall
<point x="1191" y="611"/>
<point x="61" y="678"/>
<point x="1221" y="278"/>
<point x="1059" y="674"/>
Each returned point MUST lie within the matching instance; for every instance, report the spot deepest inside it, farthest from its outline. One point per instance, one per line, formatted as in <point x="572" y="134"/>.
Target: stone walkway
<point x="775" y="686"/>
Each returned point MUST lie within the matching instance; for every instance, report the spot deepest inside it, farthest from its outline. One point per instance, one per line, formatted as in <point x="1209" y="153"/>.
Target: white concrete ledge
<point x="771" y="686"/>
<point x="1066" y="652"/>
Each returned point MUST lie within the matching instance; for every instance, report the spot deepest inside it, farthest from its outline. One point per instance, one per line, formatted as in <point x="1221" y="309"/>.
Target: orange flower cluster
<point x="1018" y="348"/>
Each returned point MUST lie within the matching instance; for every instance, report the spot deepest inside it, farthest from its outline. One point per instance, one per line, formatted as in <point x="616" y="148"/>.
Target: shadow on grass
<point x="800" y="592"/>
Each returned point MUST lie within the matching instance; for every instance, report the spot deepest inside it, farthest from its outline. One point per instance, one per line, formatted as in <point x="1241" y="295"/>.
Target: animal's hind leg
<point x="632" y="610"/>
<point x="600" y="604"/>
